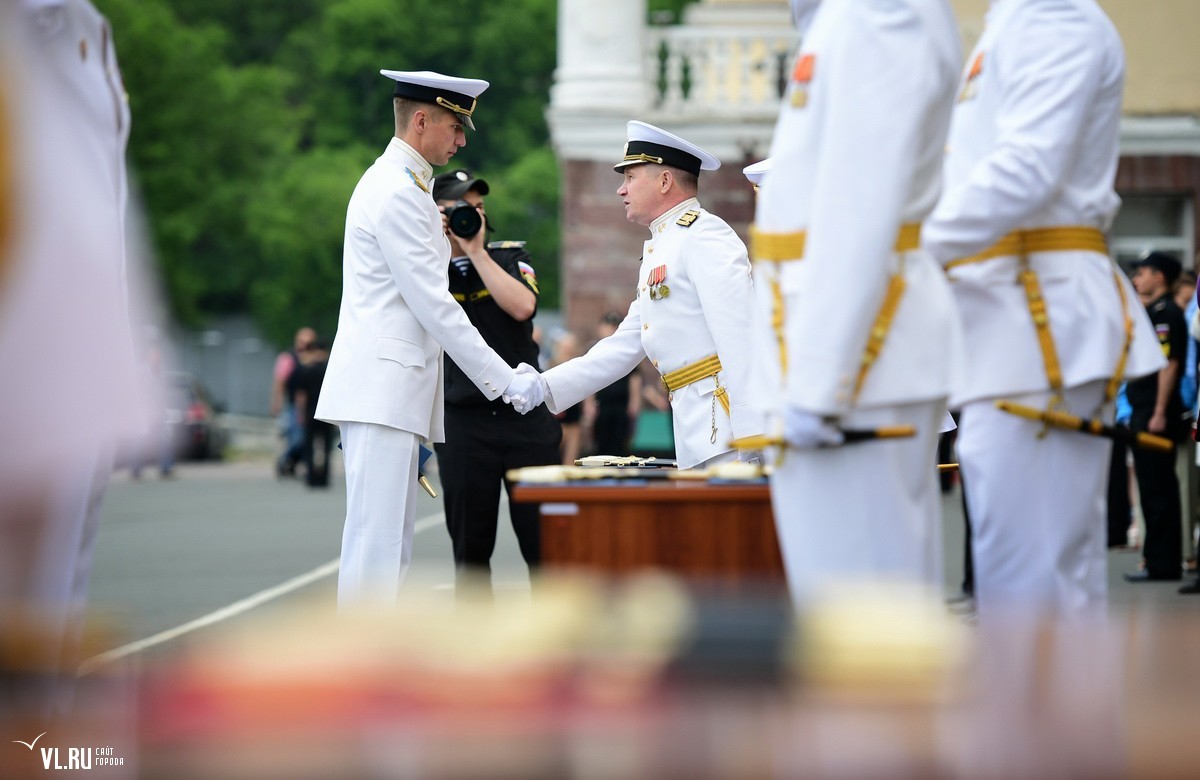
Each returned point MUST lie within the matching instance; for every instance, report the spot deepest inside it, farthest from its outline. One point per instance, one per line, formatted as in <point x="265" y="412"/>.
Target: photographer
<point x="497" y="288"/>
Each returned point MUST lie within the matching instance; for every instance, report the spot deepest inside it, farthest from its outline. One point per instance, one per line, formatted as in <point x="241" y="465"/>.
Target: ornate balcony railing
<point x="705" y="71"/>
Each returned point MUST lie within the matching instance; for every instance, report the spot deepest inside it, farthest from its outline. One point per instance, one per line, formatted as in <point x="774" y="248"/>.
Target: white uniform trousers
<point x="1037" y="506"/>
<point x="867" y="511"/>
<point x="381" y="507"/>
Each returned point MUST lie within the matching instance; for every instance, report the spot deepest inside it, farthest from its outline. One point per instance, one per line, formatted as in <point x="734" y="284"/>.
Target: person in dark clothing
<point x="1119" y="505"/>
<point x="617" y="405"/>
<point x="497" y="288"/>
<point x="1158" y="408"/>
<point x="304" y="385"/>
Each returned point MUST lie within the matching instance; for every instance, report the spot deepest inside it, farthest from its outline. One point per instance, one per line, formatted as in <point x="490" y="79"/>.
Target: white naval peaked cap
<point x="755" y="171"/>
<point x="649" y="144"/>
<point x="451" y="92"/>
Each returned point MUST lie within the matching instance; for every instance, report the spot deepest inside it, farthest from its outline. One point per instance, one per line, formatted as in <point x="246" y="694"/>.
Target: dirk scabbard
<point x="852" y="435"/>
<point x="424" y="482"/>
<point x="1092" y="427"/>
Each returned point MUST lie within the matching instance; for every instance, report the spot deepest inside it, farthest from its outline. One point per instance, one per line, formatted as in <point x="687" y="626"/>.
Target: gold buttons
<point x="645" y="326"/>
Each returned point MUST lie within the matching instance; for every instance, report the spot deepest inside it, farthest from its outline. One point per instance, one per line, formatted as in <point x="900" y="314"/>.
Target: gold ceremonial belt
<point x="781" y="247"/>
<point x="478" y="295"/>
<point x="682" y="377"/>
<point x="1020" y="243"/>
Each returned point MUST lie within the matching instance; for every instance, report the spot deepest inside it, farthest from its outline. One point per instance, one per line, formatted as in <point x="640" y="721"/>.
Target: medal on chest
<point x="971" y="82"/>
<point x="656" y="281"/>
<point x="801" y="78"/>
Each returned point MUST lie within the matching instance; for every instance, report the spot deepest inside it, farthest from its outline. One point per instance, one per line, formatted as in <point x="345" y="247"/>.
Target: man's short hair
<point x="404" y="108"/>
<point x="688" y="181"/>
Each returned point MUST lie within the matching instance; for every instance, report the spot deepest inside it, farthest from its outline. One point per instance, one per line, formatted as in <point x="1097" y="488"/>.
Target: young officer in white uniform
<point x="1032" y="155"/>
<point x="383" y="386"/>
<point x="691" y="313"/>
<point x="862" y="324"/>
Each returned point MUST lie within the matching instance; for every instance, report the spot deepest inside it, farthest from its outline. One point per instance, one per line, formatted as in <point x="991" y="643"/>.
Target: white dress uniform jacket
<point x="1034" y="143"/>
<point x="857" y="155"/>
<point x="69" y="381"/>
<point x="397" y="313"/>
<point x="706" y="311"/>
<point x="863" y="65"/>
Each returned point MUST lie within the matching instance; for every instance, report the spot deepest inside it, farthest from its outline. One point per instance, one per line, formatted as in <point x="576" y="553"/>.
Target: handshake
<point x="526" y="390"/>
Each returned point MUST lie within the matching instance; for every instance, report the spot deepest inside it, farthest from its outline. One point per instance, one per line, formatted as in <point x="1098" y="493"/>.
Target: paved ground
<point x="171" y="552"/>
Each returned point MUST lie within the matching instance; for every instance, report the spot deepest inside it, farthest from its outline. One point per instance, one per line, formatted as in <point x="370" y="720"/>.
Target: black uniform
<point x="484" y="439"/>
<point x="307" y="378"/>
<point x="1157" y="483"/>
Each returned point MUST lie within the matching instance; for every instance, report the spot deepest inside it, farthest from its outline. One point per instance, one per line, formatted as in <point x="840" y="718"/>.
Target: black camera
<point x="463" y="218"/>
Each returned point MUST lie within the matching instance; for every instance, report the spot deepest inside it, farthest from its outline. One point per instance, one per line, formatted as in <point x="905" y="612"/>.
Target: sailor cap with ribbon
<point x="756" y="171"/>
<point x="449" y="92"/>
<point x="650" y="144"/>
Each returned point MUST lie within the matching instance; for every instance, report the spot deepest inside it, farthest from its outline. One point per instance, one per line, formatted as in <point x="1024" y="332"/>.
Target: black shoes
<point x="1191" y="587"/>
<point x="1146" y="576"/>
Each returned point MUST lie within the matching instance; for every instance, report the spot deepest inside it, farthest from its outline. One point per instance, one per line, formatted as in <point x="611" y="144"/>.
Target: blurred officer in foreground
<point x="690" y="314"/>
<point x="383" y="384"/>
<point x="862" y="329"/>
<point x="1050" y="322"/>
<point x="497" y="288"/>
<point x="69" y="379"/>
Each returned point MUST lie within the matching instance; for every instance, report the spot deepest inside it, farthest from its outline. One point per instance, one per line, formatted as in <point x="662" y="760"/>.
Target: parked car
<point x="192" y="420"/>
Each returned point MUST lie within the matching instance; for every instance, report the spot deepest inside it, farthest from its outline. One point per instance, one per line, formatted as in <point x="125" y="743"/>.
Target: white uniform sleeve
<point x="407" y="236"/>
<point x="1048" y="68"/>
<point x="610" y="359"/>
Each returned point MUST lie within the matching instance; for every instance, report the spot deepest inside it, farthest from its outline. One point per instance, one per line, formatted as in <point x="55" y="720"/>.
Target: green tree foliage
<point x="523" y="204"/>
<point x="205" y="135"/>
<point x="302" y="216"/>
<point x="252" y="120"/>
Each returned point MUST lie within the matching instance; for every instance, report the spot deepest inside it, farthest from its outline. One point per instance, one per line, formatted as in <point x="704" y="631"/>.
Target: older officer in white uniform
<point x="383" y="386"/>
<point x="863" y="328"/>
<point x="1049" y="319"/>
<point x="691" y="313"/>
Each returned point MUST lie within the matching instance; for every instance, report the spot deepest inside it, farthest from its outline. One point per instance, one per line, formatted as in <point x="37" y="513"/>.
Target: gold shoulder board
<point x="416" y="180"/>
<point x="688" y="218"/>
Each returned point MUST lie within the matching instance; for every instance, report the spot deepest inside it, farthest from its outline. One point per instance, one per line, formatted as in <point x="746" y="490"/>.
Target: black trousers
<point x="1118" y="496"/>
<point x="482" y="443"/>
<point x="1159" y="488"/>
<point x="612" y="431"/>
<point x="318" y="442"/>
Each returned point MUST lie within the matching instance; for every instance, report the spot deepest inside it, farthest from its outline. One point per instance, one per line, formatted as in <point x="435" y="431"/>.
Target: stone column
<point x="600" y="66"/>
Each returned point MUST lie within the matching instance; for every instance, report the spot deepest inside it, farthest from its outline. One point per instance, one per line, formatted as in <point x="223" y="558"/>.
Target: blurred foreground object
<point x="69" y="381"/>
<point x="646" y="679"/>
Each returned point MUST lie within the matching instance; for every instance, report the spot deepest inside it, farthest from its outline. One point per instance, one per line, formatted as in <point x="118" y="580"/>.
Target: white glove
<point x="753" y="457"/>
<point x="526" y="390"/>
<point x="805" y="430"/>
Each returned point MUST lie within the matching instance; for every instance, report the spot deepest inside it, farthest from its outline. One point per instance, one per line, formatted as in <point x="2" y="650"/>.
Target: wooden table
<point x="723" y="533"/>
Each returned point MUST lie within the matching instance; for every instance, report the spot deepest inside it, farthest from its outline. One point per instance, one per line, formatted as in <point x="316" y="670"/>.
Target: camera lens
<point x="464" y="219"/>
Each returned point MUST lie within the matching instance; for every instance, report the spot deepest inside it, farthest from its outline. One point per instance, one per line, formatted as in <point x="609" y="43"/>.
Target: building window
<point x="1147" y="223"/>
